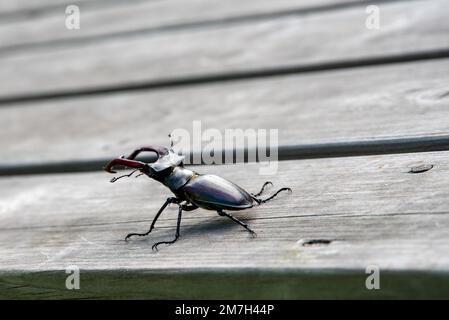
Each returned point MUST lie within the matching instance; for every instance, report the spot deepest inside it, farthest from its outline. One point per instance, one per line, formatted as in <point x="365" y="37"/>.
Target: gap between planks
<point x="293" y="152"/>
<point x="23" y="99"/>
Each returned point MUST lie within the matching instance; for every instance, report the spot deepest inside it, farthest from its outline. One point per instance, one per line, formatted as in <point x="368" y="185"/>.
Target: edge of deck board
<point x="225" y="284"/>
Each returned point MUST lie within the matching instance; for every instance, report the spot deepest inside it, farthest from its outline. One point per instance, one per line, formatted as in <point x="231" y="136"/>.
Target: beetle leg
<point x="178" y="227"/>
<point x="260" y="201"/>
<point x="244" y="225"/>
<point x="169" y="200"/>
<point x="263" y="188"/>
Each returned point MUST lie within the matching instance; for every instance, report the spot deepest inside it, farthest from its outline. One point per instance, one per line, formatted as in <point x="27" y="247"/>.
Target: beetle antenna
<point x="114" y="179"/>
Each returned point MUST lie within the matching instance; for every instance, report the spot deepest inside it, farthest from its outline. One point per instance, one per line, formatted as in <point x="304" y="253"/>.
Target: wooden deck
<point x="356" y="110"/>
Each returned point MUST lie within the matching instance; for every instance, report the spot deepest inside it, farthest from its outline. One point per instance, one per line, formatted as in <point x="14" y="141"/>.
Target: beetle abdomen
<point x="213" y="193"/>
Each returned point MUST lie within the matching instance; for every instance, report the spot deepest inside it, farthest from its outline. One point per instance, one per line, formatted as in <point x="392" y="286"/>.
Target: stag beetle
<point x="191" y="189"/>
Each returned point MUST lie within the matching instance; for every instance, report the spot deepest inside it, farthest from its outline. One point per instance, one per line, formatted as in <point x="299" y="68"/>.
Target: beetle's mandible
<point x="191" y="189"/>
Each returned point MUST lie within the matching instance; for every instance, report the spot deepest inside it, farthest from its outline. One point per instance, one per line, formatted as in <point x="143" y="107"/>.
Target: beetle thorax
<point x="178" y="178"/>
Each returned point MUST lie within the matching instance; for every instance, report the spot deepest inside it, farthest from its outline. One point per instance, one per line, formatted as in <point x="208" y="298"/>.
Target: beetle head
<point x="166" y="161"/>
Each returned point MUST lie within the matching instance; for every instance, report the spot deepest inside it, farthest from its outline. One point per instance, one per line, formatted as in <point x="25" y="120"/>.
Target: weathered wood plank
<point x="332" y="106"/>
<point x="328" y="36"/>
<point x="10" y="7"/>
<point x="371" y="210"/>
<point x="40" y="10"/>
<point x="101" y="17"/>
<point x="358" y="191"/>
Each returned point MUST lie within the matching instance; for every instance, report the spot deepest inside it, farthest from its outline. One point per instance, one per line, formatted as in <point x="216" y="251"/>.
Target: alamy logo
<point x="72" y="282"/>
<point x="72" y="20"/>
<point x="373" y="280"/>
<point x="372" y="22"/>
<point x="211" y="146"/>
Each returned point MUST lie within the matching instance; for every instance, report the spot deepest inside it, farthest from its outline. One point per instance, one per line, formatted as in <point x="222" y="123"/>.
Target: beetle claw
<point x="253" y="234"/>
<point x="154" y="247"/>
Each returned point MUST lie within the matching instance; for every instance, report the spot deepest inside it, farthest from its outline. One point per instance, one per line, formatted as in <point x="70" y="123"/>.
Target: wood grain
<point x="11" y="7"/>
<point x="372" y="211"/>
<point x="329" y="36"/>
<point x="365" y="103"/>
<point x="105" y="17"/>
